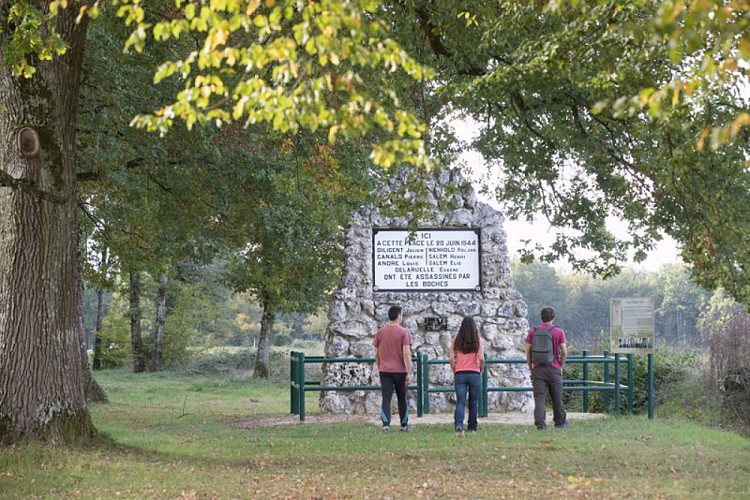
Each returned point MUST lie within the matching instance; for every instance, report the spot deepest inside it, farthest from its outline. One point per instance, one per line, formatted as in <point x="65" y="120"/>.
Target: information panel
<point x="426" y="260"/>
<point x="632" y="326"/>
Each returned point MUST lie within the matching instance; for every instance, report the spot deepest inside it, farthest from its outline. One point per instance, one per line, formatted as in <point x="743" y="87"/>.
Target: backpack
<point x="542" y="352"/>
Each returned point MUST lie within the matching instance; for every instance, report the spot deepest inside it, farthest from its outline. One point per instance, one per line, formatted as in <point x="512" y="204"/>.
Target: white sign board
<point x="631" y="329"/>
<point x="426" y="260"/>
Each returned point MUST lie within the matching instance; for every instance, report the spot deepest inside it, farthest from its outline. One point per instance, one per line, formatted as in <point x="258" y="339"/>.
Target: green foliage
<point x="237" y="361"/>
<point x="290" y="254"/>
<point x="537" y="78"/>
<point x="698" y="399"/>
<point x="289" y="64"/>
<point x="29" y="36"/>
<point x="540" y="286"/>
<point x="726" y="326"/>
<point x="280" y="339"/>
<point x="682" y="303"/>
<point x="198" y="317"/>
<point x="222" y="360"/>
<point x="711" y="41"/>
<point x="735" y="402"/>
<point x="670" y="370"/>
<point x="116" y="345"/>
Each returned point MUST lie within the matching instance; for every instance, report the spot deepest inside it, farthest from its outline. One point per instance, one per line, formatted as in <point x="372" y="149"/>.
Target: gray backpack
<point x="542" y="352"/>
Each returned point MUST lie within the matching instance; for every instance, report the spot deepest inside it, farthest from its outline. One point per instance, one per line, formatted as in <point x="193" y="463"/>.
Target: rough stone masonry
<point x="357" y="310"/>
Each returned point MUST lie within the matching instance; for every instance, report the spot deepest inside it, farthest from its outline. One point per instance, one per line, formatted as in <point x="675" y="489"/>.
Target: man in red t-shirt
<point x="393" y="357"/>
<point x="548" y="376"/>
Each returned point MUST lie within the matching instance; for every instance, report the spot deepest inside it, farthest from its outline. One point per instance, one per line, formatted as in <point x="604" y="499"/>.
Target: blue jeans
<point x="470" y="382"/>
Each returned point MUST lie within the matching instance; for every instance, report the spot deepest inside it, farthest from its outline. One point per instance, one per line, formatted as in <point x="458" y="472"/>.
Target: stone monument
<point x="452" y="263"/>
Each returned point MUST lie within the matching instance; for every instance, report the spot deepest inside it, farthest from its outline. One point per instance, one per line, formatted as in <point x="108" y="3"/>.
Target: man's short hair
<point x="548" y="314"/>
<point x="394" y="312"/>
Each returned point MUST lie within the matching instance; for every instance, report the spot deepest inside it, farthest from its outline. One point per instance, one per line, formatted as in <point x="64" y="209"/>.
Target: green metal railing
<point x="299" y="386"/>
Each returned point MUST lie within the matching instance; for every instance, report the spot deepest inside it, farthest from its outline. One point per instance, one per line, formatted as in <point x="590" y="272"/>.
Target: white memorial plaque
<point x="631" y="328"/>
<point x="426" y="260"/>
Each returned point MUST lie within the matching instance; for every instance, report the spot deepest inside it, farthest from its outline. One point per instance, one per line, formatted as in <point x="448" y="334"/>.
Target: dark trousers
<point x="544" y="378"/>
<point x="390" y="382"/>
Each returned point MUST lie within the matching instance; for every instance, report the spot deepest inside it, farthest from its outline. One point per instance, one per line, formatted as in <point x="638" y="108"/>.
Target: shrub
<point x="116" y="346"/>
<point x="669" y="368"/>
<point x="280" y="339"/>
<point x="237" y="360"/>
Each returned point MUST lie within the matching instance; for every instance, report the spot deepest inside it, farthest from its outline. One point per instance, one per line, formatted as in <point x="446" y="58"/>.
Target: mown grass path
<point x="175" y="436"/>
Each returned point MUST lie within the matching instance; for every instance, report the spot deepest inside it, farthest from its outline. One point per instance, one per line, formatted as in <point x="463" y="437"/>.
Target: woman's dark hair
<point x="467" y="340"/>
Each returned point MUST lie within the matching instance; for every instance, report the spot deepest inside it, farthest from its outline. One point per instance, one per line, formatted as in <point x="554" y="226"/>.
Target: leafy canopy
<point x="288" y="63"/>
<point x="562" y="93"/>
<point x="590" y="109"/>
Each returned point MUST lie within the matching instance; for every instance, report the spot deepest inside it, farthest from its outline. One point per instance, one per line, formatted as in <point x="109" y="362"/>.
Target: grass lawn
<point x="173" y="436"/>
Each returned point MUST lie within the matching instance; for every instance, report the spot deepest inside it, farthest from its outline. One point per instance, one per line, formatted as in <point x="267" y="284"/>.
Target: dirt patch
<point x="277" y="420"/>
<point x="510" y="418"/>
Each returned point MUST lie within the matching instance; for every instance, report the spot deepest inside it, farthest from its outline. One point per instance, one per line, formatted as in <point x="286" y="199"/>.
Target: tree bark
<point x="136" y="338"/>
<point x="161" y="308"/>
<point x="41" y="380"/>
<point x="262" y="369"/>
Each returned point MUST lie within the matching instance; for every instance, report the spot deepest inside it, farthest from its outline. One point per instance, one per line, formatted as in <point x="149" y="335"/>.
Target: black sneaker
<point x="405" y="428"/>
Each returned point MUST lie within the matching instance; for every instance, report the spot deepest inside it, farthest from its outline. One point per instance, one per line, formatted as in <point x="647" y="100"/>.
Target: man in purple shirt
<point x="548" y="376"/>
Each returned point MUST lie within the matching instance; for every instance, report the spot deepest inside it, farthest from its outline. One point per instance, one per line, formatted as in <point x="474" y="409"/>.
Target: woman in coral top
<point x="467" y="362"/>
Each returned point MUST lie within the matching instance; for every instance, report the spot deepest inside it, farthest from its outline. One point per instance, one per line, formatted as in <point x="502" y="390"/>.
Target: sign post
<point x="631" y="331"/>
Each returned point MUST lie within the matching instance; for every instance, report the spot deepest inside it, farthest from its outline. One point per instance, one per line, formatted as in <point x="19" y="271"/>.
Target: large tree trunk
<point x="161" y="309"/>
<point x="262" y="369"/>
<point x="41" y="380"/>
<point x="136" y="338"/>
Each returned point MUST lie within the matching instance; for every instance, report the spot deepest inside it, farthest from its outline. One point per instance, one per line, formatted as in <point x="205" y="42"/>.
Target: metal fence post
<point x="650" y="386"/>
<point x="484" y="399"/>
<point x="419" y="384"/>
<point x="426" y="384"/>
<point x="617" y="384"/>
<point x="301" y="368"/>
<point x="630" y="384"/>
<point x="293" y="382"/>
<point x="585" y="382"/>
<point x="605" y="396"/>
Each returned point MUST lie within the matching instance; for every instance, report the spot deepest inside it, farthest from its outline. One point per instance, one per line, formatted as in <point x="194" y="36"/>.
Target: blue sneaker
<point x="564" y="425"/>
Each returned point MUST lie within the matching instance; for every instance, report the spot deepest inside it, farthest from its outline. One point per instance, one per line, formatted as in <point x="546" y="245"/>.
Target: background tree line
<point x="204" y="313"/>
<point x="583" y="302"/>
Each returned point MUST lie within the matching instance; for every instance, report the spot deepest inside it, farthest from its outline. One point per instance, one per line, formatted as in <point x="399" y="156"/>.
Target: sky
<point x="666" y="251"/>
